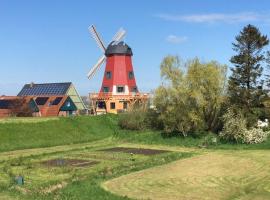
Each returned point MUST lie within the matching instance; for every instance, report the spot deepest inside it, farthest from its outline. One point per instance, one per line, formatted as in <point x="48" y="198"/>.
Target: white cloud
<point x="176" y="39"/>
<point x="218" y="17"/>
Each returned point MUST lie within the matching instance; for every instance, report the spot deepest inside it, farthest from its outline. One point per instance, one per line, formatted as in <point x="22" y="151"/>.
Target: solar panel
<point x="4" y="104"/>
<point x="41" y="100"/>
<point x="44" y="89"/>
<point x="57" y="100"/>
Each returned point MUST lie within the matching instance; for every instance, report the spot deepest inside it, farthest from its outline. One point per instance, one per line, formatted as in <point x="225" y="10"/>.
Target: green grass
<point x="15" y="120"/>
<point x="46" y="133"/>
<point x="214" y="175"/>
<point x="38" y="139"/>
<point x="157" y="137"/>
<point x="82" y="183"/>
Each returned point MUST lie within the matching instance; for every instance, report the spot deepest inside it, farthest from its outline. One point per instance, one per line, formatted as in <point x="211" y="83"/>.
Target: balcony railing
<point x="110" y="94"/>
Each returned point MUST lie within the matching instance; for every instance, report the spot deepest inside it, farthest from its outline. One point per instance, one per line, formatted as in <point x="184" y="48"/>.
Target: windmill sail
<point x="117" y="37"/>
<point x="94" y="69"/>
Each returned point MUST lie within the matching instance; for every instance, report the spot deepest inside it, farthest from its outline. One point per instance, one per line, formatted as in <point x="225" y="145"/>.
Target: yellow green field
<point x="212" y="175"/>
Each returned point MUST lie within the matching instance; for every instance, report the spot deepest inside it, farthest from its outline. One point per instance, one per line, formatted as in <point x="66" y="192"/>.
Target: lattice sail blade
<point x="97" y="66"/>
<point x="97" y="38"/>
<point x="119" y="35"/>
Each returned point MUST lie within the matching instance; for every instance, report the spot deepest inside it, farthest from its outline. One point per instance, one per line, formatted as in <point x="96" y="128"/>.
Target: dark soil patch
<point x="69" y="162"/>
<point x="136" y="150"/>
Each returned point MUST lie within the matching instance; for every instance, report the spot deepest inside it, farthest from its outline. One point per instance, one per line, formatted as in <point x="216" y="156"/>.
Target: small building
<point x="50" y="106"/>
<point x="54" y="89"/>
<point x="37" y="106"/>
<point x="18" y="107"/>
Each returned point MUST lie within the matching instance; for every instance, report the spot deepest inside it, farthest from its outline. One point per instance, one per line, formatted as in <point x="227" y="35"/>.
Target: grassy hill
<point x="24" y="133"/>
<point x="45" y="132"/>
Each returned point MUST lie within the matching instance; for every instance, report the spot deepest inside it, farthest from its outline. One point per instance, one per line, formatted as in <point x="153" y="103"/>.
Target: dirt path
<point x="214" y="175"/>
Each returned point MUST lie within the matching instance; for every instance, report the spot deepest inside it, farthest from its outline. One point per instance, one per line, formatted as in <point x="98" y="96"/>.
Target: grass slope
<point x="46" y="132"/>
<point x="28" y="133"/>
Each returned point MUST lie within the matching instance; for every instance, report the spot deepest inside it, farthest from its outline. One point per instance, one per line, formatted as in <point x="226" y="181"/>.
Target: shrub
<point x="140" y="117"/>
<point x="133" y="119"/>
<point x="255" y="135"/>
<point x="234" y="126"/>
<point x="235" y="130"/>
<point x="210" y="139"/>
<point x="152" y="120"/>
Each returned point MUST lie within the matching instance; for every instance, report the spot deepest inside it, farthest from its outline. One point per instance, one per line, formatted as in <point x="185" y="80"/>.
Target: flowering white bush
<point x="234" y="129"/>
<point x="255" y="135"/>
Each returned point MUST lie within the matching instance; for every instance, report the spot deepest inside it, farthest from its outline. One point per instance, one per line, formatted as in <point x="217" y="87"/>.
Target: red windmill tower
<point x="118" y="90"/>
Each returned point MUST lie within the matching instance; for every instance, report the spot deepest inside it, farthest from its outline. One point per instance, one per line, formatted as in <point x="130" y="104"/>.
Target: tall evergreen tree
<point x="245" y="84"/>
<point x="267" y="75"/>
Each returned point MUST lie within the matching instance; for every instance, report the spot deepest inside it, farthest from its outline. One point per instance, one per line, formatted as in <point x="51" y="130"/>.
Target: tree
<point x="206" y="83"/>
<point x="268" y="69"/>
<point x="245" y="86"/>
<point x="189" y="99"/>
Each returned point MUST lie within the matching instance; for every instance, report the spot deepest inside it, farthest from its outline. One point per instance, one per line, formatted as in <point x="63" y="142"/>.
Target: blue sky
<point x="48" y="41"/>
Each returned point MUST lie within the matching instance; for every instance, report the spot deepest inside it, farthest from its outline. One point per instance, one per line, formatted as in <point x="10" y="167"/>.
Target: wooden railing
<point x="110" y="94"/>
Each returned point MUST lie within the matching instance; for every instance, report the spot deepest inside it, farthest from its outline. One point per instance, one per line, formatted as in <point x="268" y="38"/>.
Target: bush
<point x="140" y="117"/>
<point x="133" y="119"/>
<point x="152" y="120"/>
<point x="234" y="126"/>
<point x="235" y="130"/>
<point x="209" y="139"/>
<point x="255" y="135"/>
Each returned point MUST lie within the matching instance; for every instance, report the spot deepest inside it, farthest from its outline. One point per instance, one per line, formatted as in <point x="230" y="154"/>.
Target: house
<point x="60" y="105"/>
<point x="37" y="106"/>
<point x="54" y="89"/>
<point x="18" y="107"/>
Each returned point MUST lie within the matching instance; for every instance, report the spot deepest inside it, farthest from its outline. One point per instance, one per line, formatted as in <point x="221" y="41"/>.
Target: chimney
<point x="32" y="84"/>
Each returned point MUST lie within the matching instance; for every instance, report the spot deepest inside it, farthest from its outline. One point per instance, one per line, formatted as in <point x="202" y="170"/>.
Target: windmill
<point x="118" y="90"/>
<point x="117" y="38"/>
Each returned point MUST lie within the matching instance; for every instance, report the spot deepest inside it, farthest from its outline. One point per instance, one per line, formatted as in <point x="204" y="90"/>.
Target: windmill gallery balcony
<point x="107" y="102"/>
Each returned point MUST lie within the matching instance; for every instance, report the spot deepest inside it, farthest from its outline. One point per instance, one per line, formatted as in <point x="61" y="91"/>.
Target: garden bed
<point x="69" y="162"/>
<point x="136" y="150"/>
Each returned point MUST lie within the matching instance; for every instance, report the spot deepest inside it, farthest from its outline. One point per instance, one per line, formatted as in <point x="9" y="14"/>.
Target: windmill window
<point x="135" y="89"/>
<point x="108" y="75"/>
<point x="120" y="89"/>
<point x="131" y="75"/>
<point x="112" y="105"/>
<point x="101" y="104"/>
<point x="125" y="105"/>
<point x="106" y="89"/>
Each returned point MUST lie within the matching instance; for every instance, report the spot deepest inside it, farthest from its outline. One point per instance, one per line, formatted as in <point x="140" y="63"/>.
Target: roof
<point x="52" y="105"/>
<point x="120" y="48"/>
<point x="49" y="89"/>
<point x="5" y="104"/>
<point x="7" y="101"/>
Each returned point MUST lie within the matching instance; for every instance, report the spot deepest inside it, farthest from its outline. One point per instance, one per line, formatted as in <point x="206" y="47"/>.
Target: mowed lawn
<point x="213" y="175"/>
<point x="29" y="145"/>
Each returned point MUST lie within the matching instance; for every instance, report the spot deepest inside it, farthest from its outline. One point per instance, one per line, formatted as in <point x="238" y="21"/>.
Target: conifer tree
<point x="245" y="84"/>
